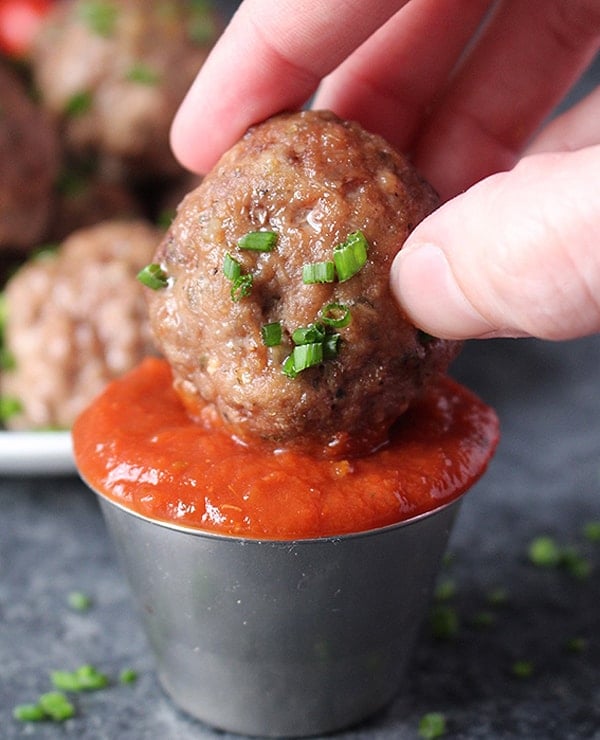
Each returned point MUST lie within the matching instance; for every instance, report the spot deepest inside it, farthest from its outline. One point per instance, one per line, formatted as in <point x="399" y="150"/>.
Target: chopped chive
<point x="336" y="315"/>
<point x="544" y="552"/>
<point x="271" y="334"/>
<point x="318" y="272"/>
<point x="331" y="346"/>
<point x="444" y="622"/>
<point x="445" y="590"/>
<point x="497" y="596"/>
<point x="231" y="267"/>
<point x="202" y="27"/>
<point x="432" y="725"/>
<point x="99" y="15"/>
<point x="29" y="713"/>
<point x="575" y="563"/>
<point x="241" y="283"/>
<point x="56" y="706"/>
<point x="128" y="675"/>
<point x="79" y="601"/>
<point x="9" y="407"/>
<point x="90" y="678"/>
<point x="142" y="74"/>
<point x="153" y="276"/>
<point x="307" y="355"/>
<point x="165" y="218"/>
<point x="258" y="241"/>
<point x="287" y="368"/>
<point x="483" y="618"/>
<point x="350" y="256"/>
<point x="64" y="680"/>
<point x="85" y="678"/>
<point x="310" y="334"/>
<point x="591" y="531"/>
<point x="577" y="644"/>
<point x="78" y="104"/>
<point x="522" y="669"/>
<point x="241" y="287"/>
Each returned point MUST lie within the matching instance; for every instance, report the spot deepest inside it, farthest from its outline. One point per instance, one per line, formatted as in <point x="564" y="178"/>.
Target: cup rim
<point x="207" y="534"/>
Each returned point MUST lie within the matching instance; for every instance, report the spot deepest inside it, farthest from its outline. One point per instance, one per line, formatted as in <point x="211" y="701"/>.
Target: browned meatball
<point x="115" y="73"/>
<point x="312" y="179"/>
<point x="29" y="157"/>
<point x="85" y="198"/>
<point x="75" y="319"/>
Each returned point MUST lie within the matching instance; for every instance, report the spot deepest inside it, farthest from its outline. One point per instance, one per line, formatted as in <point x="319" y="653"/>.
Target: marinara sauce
<point x="137" y="446"/>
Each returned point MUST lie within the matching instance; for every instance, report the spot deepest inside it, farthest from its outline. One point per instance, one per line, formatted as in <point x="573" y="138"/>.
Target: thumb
<point x="518" y="254"/>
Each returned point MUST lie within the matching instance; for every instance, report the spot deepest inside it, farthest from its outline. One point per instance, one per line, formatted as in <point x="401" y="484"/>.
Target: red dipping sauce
<point x="137" y="446"/>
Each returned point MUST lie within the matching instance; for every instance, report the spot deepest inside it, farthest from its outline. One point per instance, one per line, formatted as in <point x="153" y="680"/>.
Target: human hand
<point x="463" y="97"/>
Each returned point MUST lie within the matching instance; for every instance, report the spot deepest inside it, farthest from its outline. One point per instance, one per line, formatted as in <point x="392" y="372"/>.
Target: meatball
<point x="75" y="319"/>
<point x="114" y="73"/>
<point x="29" y="160"/>
<point x="86" y="197"/>
<point x="313" y="180"/>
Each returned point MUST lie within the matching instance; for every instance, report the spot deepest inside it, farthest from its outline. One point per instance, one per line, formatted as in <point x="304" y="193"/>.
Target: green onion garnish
<point x="483" y="618"/>
<point x="444" y="622"/>
<point x="309" y="334"/>
<point x="331" y="345"/>
<point x="271" y="334"/>
<point x="544" y="552"/>
<point x="142" y="74"/>
<point x="9" y="407"/>
<point x="29" y="713"/>
<point x="231" y="267"/>
<point x="153" y="276"/>
<point x="288" y="368"/>
<point x="56" y="706"/>
<point x="99" y="15"/>
<point x="307" y="355"/>
<point x="79" y="601"/>
<point x="128" y="675"/>
<point x="350" y="256"/>
<point x="576" y="644"/>
<point x="258" y="241"/>
<point x="85" y="678"/>
<point x="432" y="725"/>
<point x="78" y="104"/>
<point x="591" y="531"/>
<point x="318" y="272"/>
<point x="241" y="287"/>
<point x="336" y="315"/>
<point x="241" y="283"/>
<point x="522" y="668"/>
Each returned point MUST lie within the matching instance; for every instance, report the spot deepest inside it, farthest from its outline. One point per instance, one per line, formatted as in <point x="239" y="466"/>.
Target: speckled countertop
<point x="545" y="480"/>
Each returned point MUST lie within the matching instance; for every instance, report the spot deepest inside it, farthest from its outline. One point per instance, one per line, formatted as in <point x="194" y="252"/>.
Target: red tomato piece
<point x="19" y="22"/>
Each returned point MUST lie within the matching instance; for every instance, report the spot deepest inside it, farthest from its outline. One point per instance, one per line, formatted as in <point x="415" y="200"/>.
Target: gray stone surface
<point x="545" y="479"/>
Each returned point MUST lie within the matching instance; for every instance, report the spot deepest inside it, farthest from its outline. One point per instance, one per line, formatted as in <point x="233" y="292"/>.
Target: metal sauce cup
<point x="281" y="638"/>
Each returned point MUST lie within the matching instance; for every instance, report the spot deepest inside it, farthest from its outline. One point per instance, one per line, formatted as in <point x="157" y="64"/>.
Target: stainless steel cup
<point x="275" y="638"/>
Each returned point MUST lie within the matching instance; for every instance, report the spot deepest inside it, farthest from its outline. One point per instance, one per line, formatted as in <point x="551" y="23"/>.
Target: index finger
<point x="270" y="58"/>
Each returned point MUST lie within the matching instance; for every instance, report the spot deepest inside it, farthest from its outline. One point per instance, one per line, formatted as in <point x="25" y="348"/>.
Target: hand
<point x="462" y="86"/>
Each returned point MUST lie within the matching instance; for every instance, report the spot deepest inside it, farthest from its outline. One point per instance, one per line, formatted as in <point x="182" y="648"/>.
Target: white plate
<point x="36" y="453"/>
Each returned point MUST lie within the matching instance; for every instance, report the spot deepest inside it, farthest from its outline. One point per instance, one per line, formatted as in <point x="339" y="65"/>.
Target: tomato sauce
<point x="137" y="446"/>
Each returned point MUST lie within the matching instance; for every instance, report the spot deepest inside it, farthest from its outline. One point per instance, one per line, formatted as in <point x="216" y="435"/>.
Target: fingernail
<point x="428" y="292"/>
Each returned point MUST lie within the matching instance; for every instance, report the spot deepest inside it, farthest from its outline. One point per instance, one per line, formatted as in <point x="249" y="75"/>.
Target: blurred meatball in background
<point x="85" y="195"/>
<point x="113" y="74"/>
<point x="75" y="319"/>
<point x="29" y="164"/>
